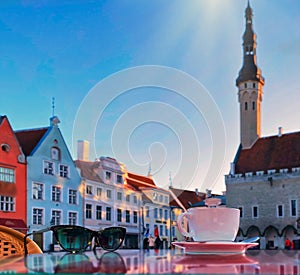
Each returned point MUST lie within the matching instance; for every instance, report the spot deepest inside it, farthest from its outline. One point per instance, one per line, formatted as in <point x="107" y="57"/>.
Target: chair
<point x="12" y="243"/>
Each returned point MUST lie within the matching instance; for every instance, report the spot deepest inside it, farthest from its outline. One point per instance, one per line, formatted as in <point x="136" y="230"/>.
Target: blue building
<point x="53" y="182"/>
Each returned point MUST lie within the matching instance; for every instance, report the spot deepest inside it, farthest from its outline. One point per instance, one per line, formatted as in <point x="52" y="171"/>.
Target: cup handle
<point x="180" y="227"/>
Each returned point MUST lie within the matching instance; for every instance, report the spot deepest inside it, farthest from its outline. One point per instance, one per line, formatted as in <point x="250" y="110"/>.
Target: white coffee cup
<point x="210" y="223"/>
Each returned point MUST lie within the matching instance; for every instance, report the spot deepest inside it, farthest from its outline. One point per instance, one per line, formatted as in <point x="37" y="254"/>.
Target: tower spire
<point x="249" y="82"/>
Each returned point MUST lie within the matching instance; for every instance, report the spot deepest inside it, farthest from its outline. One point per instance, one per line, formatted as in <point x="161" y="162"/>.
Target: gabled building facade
<point x="108" y="200"/>
<point x="13" y="210"/>
<point x="155" y="207"/>
<point x="264" y="179"/>
<point x="53" y="182"/>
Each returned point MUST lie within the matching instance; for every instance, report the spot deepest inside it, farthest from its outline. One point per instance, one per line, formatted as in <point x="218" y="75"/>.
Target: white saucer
<point x="214" y="247"/>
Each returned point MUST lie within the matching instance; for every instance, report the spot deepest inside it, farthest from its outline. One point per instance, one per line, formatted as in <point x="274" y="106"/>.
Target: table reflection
<point x="281" y="262"/>
<point x="109" y="262"/>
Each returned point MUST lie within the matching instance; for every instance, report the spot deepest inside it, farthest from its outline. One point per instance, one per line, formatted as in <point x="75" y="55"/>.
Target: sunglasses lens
<point x="74" y="238"/>
<point x="112" y="238"/>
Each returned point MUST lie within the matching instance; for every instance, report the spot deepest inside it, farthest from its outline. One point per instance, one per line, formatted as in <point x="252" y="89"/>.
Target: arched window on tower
<point x="253" y="105"/>
<point x="246" y="106"/>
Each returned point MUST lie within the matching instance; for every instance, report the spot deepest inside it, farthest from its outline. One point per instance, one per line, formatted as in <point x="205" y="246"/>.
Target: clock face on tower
<point x="55" y="153"/>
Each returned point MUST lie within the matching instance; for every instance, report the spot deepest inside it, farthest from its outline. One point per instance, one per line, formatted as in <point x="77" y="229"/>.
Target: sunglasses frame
<point x="94" y="234"/>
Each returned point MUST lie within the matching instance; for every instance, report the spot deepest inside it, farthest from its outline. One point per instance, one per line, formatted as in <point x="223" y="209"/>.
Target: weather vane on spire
<point x="53" y="106"/>
<point x="54" y="120"/>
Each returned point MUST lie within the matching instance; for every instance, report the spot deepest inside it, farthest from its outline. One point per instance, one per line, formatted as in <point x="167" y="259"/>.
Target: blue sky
<point x="65" y="48"/>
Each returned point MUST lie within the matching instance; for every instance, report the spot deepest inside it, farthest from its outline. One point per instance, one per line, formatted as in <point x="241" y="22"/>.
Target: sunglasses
<point x="77" y="239"/>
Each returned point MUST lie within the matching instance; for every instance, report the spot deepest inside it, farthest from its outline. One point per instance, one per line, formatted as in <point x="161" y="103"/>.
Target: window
<point x="119" y="179"/>
<point x="253" y="105"/>
<point x="293" y="208"/>
<point x="255" y="211"/>
<point x="280" y="210"/>
<point x="166" y="200"/>
<point x="88" y="211"/>
<point x="135" y="199"/>
<point x="166" y="214"/>
<point x="253" y="85"/>
<point x="173" y="216"/>
<point x="99" y="192"/>
<point x="108" y="194"/>
<point x="56" y="193"/>
<point x="99" y="212"/>
<point x="55" y="153"/>
<point x="160" y="198"/>
<point x="135" y="217"/>
<point x="173" y="231"/>
<point x="241" y="212"/>
<point x="107" y="175"/>
<point x="127" y="216"/>
<point x="119" y="196"/>
<point x="155" y="213"/>
<point x="72" y="196"/>
<point x="64" y="171"/>
<point x="166" y="231"/>
<point x="5" y="147"/>
<point x="7" y="203"/>
<point x="72" y="218"/>
<point x="119" y="215"/>
<point x="147" y="211"/>
<point x="128" y="198"/>
<point x="7" y="175"/>
<point x="89" y="189"/>
<point x="37" y="191"/>
<point x="161" y="230"/>
<point x="155" y="196"/>
<point x="37" y="216"/>
<point x="108" y="213"/>
<point x="245" y="85"/>
<point x="246" y="106"/>
<point x="160" y="213"/>
<point x="48" y="167"/>
<point x="56" y="217"/>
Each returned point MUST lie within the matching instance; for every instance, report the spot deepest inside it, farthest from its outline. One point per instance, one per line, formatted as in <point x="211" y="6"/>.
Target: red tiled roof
<point x="28" y="139"/>
<point x="268" y="153"/>
<point x="186" y="197"/>
<point x="138" y="181"/>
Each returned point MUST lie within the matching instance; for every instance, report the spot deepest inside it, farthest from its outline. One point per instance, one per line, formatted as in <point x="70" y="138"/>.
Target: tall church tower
<point x="250" y="87"/>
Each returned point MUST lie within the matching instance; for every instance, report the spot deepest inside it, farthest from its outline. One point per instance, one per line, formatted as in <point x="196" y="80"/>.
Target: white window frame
<point x="7" y="175"/>
<point x="64" y="171"/>
<point x="277" y="210"/>
<point x="36" y="217"/>
<point x="89" y="189"/>
<point x="7" y="204"/>
<point x="37" y="189"/>
<point x="56" y="216"/>
<point x="73" y="196"/>
<point x="108" y="194"/>
<point x="296" y="208"/>
<point x="119" y="196"/>
<point x="88" y="211"/>
<point x="47" y="169"/>
<point x="56" y="192"/>
<point x="98" y="212"/>
<point x="72" y="218"/>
